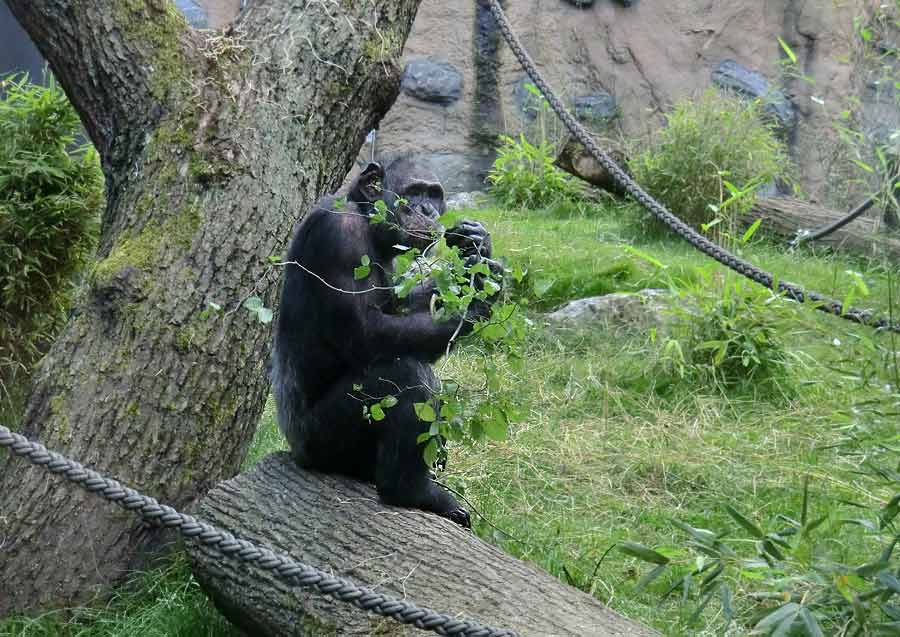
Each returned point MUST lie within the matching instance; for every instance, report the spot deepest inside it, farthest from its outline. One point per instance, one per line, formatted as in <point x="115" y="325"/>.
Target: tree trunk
<point x="213" y="144"/>
<point x="783" y="216"/>
<point x="338" y="525"/>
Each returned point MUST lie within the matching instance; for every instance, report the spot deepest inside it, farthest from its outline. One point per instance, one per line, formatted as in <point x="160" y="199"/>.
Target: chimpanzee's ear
<point x="369" y="185"/>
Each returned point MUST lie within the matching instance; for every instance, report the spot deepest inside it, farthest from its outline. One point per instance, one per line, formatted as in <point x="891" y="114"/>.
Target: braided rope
<point x="698" y="241"/>
<point x="285" y="568"/>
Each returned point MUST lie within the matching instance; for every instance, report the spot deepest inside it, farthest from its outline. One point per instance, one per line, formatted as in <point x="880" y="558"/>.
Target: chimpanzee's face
<point x="417" y="206"/>
<point x="414" y="199"/>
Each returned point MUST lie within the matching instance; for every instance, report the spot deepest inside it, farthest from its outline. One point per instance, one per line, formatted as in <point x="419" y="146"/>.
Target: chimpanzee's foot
<point x="460" y="516"/>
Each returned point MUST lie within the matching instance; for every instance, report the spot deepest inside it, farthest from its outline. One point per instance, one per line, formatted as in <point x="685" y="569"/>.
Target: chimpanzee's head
<point x="414" y="199"/>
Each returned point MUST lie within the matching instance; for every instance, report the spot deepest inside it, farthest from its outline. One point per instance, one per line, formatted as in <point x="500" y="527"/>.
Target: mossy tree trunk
<point x="212" y="144"/>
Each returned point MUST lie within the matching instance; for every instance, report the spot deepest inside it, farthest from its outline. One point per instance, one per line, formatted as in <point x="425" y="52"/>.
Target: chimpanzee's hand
<point x="470" y="237"/>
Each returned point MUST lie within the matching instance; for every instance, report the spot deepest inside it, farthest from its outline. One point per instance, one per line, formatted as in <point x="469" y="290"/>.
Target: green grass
<point x="599" y="457"/>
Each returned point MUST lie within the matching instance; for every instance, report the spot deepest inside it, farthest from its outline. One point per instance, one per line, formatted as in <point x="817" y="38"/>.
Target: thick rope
<point x="698" y="241"/>
<point x="285" y="568"/>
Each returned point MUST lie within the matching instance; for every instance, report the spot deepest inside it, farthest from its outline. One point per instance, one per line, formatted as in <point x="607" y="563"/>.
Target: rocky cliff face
<point x="621" y="64"/>
<point x="620" y="68"/>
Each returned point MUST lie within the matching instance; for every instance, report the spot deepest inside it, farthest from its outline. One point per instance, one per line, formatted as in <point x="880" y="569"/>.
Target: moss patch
<point x="142" y="250"/>
<point x="162" y="32"/>
<point x="383" y="46"/>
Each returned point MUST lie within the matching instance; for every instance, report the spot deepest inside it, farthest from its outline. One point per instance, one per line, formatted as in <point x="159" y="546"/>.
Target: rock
<point x="457" y="172"/>
<point x="641" y="310"/>
<point x="432" y="80"/>
<point x="648" y="56"/>
<point x="195" y="14"/>
<point x="466" y="200"/>
<point x="599" y="108"/>
<point x="732" y="76"/>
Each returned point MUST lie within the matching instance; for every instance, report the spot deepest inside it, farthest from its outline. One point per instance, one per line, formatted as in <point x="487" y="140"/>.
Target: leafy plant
<point x="729" y="337"/>
<point x="724" y="332"/>
<point x="709" y="142"/>
<point x="51" y="194"/>
<point x="799" y="587"/>
<point x="524" y="176"/>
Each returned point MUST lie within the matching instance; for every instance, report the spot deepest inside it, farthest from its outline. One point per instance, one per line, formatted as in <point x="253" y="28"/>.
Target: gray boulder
<point x="598" y="108"/>
<point x="433" y="80"/>
<point x="641" y="310"/>
<point x="734" y="77"/>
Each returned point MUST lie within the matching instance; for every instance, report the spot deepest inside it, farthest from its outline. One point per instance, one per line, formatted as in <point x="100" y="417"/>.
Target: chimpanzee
<point x="340" y="341"/>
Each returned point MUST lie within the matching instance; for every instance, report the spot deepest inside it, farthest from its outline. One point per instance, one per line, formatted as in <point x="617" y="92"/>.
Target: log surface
<point x="338" y="525"/>
<point x="783" y="216"/>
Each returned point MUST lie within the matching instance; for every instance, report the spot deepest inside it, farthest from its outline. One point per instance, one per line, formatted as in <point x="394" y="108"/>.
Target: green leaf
<point x="388" y="401"/>
<point x="725" y="598"/>
<point x="810" y="623"/>
<point x="254" y="303"/>
<point x="649" y="577"/>
<point x="775" y="619"/>
<point x="863" y="165"/>
<point x="751" y="230"/>
<point x="264" y="315"/>
<point x="704" y="536"/>
<point x="788" y="51"/>
<point x="430" y="452"/>
<point x="376" y="412"/>
<point x="748" y="526"/>
<point x="542" y="286"/>
<point x="495" y="424"/>
<point x="362" y="271"/>
<point x="491" y="287"/>
<point x="642" y="552"/>
<point x="644" y="257"/>
<point x="425" y="412"/>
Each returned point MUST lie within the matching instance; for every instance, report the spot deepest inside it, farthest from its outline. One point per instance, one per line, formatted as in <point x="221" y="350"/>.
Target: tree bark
<point x="783" y="216"/>
<point x="213" y="144"/>
<point x="338" y="525"/>
<point x="575" y="159"/>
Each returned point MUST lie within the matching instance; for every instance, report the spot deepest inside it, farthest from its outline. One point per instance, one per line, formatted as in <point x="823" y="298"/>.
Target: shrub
<point x="729" y="336"/>
<point x="50" y="198"/>
<point x="712" y="149"/>
<point x="524" y="176"/>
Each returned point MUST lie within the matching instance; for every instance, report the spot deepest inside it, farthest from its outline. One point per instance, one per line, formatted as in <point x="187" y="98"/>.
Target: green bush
<point x="50" y="197"/>
<point x="524" y="176"/>
<point x="732" y="336"/>
<point x="714" y="150"/>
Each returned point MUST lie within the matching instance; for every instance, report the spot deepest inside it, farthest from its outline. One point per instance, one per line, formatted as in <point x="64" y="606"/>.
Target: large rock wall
<point x="639" y="58"/>
<point x="620" y="64"/>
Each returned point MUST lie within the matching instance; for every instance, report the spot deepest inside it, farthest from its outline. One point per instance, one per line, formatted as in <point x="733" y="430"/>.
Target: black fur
<point x="336" y="351"/>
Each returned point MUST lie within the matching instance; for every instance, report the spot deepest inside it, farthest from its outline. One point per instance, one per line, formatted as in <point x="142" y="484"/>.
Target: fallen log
<point x="338" y="525"/>
<point x="783" y="216"/>
<point x="575" y="159"/>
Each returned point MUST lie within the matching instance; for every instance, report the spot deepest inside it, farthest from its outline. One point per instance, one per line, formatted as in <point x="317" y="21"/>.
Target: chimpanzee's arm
<point x="416" y="334"/>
